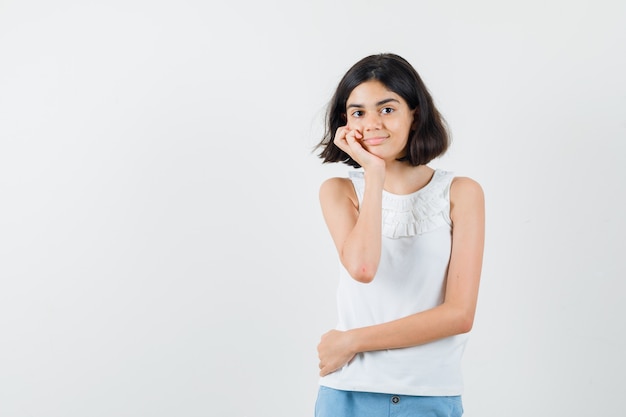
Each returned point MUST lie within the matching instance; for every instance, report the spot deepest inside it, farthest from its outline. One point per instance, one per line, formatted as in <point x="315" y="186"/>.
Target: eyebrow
<point x="380" y="103"/>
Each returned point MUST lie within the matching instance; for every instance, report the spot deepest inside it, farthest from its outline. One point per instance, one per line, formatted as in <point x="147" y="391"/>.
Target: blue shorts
<point x="336" y="403"/>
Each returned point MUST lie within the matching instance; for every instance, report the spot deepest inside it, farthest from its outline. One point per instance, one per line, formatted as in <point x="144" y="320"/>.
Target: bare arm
<point x="356" y="231"/>
<point x="454" y="316"/>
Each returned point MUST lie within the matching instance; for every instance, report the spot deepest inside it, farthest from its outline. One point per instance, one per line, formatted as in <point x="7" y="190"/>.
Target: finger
<point x="353" y="137"/>
<point x="343" y="144"/>
<point x="340" y="136"/>
<point x="350" y="139"/>
<point x="326" y="370"/>
<point x="341" y="132"/>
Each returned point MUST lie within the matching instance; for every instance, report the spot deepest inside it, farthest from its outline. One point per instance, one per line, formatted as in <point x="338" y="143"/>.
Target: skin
<point x="378" y="125"/>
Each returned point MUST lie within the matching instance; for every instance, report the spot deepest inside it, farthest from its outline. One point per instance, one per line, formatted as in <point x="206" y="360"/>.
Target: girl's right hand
<point x="348" y="140"/>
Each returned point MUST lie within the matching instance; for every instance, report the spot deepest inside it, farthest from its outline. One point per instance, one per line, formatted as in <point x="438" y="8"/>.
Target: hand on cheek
<point x="354" y="134"/>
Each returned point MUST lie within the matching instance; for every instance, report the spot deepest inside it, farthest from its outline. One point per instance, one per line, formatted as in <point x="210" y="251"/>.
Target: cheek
<point x="396" y="125"/>
<point x="353" y="123"/>
<point x="405" y="125"/>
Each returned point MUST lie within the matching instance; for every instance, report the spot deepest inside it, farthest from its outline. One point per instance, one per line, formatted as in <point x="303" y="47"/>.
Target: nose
<point x="372" y="121"/>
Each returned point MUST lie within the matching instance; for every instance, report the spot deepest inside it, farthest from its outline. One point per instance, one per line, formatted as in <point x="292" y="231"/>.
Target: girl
<point x="410" y="240"/>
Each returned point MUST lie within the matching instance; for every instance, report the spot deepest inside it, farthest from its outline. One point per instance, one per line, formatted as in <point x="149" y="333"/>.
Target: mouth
<point x="377" y="140"/>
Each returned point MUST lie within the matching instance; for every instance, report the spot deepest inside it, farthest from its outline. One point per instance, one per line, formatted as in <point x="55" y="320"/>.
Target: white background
<point x="162" y="251"/>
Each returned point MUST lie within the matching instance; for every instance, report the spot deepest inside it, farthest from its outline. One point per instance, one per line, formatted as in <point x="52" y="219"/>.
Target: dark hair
<point x="427" y="141"/>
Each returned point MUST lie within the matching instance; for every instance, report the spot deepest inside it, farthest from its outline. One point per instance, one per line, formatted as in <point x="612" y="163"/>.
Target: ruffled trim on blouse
<point x="413" y="214"/>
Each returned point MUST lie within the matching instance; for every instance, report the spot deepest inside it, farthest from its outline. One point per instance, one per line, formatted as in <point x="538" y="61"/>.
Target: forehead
<point x="371" y="92"/>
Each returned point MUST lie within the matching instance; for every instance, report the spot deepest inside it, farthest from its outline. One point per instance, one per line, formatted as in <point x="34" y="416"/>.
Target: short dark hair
<point x="427" y="141"/>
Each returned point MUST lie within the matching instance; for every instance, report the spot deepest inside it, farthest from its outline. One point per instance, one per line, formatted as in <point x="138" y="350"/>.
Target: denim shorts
<point x="336" y="403"/>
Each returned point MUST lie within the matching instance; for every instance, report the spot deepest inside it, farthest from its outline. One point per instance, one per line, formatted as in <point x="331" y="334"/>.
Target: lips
<point x="374" y="141"/>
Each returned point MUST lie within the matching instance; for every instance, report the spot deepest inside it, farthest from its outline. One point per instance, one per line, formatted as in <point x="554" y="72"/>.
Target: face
<point x="383" y="118"/>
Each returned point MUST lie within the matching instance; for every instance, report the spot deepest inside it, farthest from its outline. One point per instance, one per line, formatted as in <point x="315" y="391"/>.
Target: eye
<point x="357" y="113"/>
<point x="387" y="110"/>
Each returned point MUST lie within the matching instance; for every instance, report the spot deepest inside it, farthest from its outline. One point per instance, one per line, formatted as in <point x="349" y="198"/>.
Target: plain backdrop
<point x="162" y="250"/>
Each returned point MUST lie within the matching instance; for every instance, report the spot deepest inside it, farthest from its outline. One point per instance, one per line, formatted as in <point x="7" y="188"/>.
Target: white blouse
<point x="411" y="277"/>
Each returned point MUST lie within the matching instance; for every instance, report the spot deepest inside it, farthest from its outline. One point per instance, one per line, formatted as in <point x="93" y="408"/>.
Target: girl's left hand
<point x="334" y="351"/>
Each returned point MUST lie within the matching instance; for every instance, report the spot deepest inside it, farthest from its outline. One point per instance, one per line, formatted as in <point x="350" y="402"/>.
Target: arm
<point x="454" y="316"/>
<point x="356" y="231"/>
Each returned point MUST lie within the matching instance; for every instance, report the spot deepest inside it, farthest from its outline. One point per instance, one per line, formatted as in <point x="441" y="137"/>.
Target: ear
<point x="415" y="119"/>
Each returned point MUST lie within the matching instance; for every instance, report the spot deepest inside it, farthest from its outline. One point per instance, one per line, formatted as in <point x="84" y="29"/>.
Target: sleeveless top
<point x="411" y="277"/>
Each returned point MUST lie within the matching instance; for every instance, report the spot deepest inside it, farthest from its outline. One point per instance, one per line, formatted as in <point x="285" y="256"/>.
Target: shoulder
<point x="337" y="188"/>
<point x="465" y="185"/>
<point x="466" y="194"/>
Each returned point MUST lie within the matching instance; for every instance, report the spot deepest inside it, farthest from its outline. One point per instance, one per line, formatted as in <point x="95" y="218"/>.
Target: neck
<point x="402" y="178"/>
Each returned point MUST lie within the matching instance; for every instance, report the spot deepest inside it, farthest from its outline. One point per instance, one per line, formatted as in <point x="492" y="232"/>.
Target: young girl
<point x="410" y="241"/>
